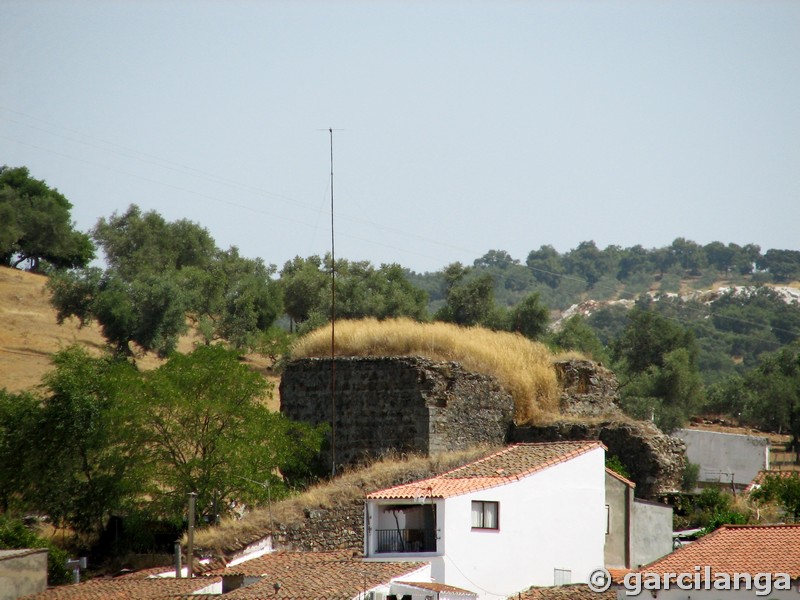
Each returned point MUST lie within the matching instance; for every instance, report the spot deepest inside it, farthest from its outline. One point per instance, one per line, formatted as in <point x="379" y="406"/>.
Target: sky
<point x="460" y="127"/>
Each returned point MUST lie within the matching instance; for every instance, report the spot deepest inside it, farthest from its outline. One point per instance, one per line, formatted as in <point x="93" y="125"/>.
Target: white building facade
<point x="531" y="514"/>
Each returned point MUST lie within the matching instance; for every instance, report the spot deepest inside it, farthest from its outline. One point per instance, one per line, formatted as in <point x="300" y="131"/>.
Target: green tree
<point x="547" y="265"/>
<point x="722" y="257"/>
<point x="530" y="317"/>
<point x="87" y="460"/>
<point x="576" y="334"/>
<point x="362" y="290"/>
<point x="495" y="259"/>
<point x="647" y="338"/>
<point x="690" y="255"/>
<point x="161" y="274"/>
<point x="306" y="287"/>
<point x="783" y="265"/>
<point x="469" y="303"/>
<point x="18" y="418"/>
<point x="783" y="489"/>
<point x="587" y="261"/>
<point x="36" y="226"/>
<point x="632" y="261"/>
<point x="772" y="393"/>
<point x="137" y="244"/>
<point x="210" y="432"/>
<point x="657" y="360"/>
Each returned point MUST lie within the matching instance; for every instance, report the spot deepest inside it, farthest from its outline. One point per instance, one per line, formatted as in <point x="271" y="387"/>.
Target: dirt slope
<point x="30" y="335"/>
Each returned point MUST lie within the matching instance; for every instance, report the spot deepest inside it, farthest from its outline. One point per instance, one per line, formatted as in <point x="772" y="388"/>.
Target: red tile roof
<point x="437" y="587"/>
<point x="618" y="575"/>
<point x="510" y="464"/>
<point x="737" y="549"/>
<point x="338" y="575"/>
<point x="762" y="475"/>
<point x="576" y="591"/>
<point x="126" y="589"/>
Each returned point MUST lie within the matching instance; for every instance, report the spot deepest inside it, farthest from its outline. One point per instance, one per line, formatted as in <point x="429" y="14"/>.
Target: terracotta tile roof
<point x="738" y="549"/>
<point x="437" y="587"/>
<point x="762" y="475"/>
<point x="337" y="575"/>
<point x="624" y="480"/>
<point x="510" y="464"/>
<point x="618" y="575"/>
<point x="577" y="591"/>
<point x="126" y="589"/>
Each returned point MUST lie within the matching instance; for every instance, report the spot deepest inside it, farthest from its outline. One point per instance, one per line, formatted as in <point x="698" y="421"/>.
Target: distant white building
<point x="727" y="458"/>
<point x="530" y="514"/>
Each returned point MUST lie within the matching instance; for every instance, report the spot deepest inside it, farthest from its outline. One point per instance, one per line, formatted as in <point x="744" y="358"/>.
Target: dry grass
<point x="348" y="488"/>
<point x="521" y="366"/>
<point x="30" y="335"/>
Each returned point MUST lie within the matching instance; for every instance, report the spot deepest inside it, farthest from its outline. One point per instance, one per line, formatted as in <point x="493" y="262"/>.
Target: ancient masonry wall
<point x="324" y="529"/>
<point x="396" y="405"/>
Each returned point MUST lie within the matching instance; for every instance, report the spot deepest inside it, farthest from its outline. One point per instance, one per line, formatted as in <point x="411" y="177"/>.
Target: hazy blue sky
<point x="467" y="126"/>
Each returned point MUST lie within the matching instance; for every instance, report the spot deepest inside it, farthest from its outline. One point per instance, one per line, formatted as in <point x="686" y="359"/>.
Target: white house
<point x="530" y="514"/>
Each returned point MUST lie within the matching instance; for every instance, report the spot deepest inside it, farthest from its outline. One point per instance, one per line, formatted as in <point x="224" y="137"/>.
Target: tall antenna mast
<point x="333" y="326"/>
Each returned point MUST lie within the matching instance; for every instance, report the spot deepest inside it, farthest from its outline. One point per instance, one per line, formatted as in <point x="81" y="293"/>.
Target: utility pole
<point x="190" y="548"/>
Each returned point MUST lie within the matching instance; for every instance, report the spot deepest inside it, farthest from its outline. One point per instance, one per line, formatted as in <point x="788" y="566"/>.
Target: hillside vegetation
<point x="522" y="366"/>
<point x="232" y="534"/>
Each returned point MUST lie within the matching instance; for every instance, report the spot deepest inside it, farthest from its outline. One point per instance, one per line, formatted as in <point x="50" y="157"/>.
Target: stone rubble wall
<point x="399" y="405"/>
<point x="323" y="529"/>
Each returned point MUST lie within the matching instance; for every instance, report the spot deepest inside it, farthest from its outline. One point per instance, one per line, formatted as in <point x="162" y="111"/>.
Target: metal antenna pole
<point x="333" y="326"/>
<point x="333" y="322"/>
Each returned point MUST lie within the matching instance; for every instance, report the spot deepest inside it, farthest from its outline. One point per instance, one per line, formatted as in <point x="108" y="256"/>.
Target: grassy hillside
<point x="348" y="488"/>
<point x="523" y="367"/>
<point x="30" y="335"/>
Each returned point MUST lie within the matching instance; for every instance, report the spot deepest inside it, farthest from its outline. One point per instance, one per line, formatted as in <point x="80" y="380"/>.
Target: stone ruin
<point x="404" y="405"/>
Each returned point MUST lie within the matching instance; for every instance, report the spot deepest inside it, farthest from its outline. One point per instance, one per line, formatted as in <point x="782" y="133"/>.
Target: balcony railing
<point x="406" y="540"/>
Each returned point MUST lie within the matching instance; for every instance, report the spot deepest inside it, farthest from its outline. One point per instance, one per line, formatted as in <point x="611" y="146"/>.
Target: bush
<point x="14" y="535"/>
<point x="691" y="474"/>
<point x="615" y="464"/>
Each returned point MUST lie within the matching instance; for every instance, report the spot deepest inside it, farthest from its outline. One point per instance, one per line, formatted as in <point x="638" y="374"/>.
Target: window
<point x="562" y="576"/>
<point x="484" y="515"/>
<point x="608" y="519"/>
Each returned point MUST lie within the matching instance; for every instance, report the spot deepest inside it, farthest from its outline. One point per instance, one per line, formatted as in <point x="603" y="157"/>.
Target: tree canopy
<point x="111" y="439"/>
<point x="362" y="290"/>
<point x="36" y="227"/>
<point x="162" y="274"/>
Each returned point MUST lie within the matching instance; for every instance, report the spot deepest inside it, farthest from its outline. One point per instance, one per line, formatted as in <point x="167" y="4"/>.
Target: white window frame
<point x="562" y="576"/>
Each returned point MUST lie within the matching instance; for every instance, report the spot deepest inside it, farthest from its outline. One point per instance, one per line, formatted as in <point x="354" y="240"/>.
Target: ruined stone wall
<point x="323" y="529"/>
<point x="396" y="404"/>
<point x="415" y="405"/>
